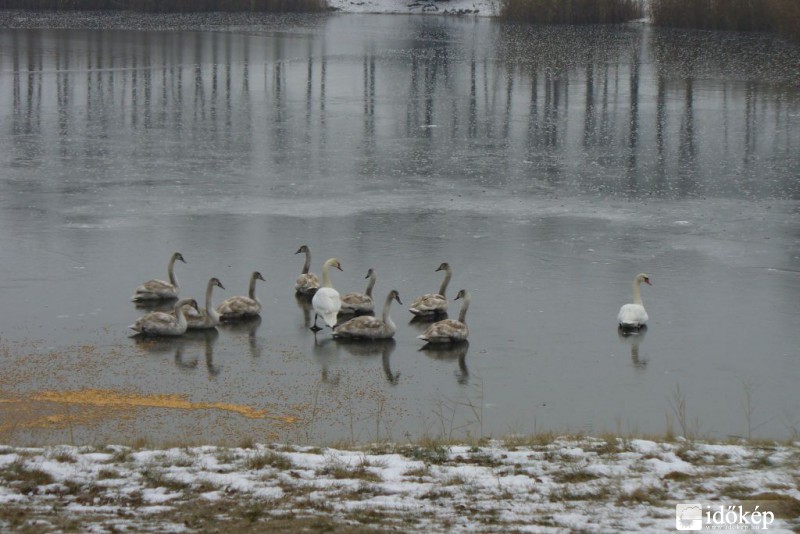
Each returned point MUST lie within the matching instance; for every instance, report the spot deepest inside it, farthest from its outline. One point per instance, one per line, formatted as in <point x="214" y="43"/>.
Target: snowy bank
<point x="483" y="8"/>
<point x="533" y="485"/>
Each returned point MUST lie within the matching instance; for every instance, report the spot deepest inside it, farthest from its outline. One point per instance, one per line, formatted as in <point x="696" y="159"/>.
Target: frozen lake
<point x="548" y="166"/>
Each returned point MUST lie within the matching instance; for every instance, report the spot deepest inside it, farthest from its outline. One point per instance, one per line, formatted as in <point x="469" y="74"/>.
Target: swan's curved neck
<point x="448" y="274"/>
<point x="209" y="287"/>
<point x="179" y="312"/>
<point x="326" y="277"/>
<point x="171" y="271"/>
<point x="307" y="264"/>
<point x="387" y="320"/>
<point x="252" y="292"/>
<point x="462" y="316"/>
<point x="370" y="285"/>
<point x="637" y="292"/>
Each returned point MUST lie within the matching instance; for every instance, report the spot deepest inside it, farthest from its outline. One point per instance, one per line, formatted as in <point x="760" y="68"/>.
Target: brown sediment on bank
<point x="102" y="403"/>
<point x="170" y="6"/>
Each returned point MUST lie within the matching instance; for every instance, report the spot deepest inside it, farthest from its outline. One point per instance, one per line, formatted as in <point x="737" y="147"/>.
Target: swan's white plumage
<point x="163" y="323"/>
<point x="326" y="301"/>
<point x="633" y="315"/>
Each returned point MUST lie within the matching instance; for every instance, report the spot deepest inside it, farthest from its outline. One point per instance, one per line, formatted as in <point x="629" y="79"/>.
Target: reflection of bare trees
<point x="592" y="108"/>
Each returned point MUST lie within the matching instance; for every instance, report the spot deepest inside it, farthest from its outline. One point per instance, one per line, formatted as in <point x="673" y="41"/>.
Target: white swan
<point x="307" y="283"/>
<point x="633" y="316"/>
<point x="433" y="303"/>
<point x="450" y="330"/>
<point x="207" y="318"/>
<point x="326" y="301"/>
<point x="240" y="307"/>
<point x="159" y="289"/>
<point x="368" y="327"/>
<point x="163" y="323"/>
<point x="360" y="303"/>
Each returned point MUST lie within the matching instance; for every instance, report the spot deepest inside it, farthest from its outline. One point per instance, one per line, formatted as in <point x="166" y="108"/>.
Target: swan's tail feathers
<point x="135" y="330"/>
<point x="628" y="329"/>
<point x="330" y="319"/>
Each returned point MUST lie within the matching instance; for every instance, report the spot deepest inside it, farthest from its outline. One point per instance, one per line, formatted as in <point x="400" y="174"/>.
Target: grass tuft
<point x="269" y="458"/>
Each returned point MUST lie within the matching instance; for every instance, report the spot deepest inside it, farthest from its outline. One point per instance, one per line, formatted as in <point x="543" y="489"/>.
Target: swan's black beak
<point x="397" y="298"/>
<point x="647" y="281"/>
<point x="221" y="286"/>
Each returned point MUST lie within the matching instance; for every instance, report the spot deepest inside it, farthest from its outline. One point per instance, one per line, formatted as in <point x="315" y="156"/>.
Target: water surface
<point x="547" y="165"/>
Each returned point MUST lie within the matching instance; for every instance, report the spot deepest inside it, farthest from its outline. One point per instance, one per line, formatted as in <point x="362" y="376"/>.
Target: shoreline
<point x="533" y="484"/>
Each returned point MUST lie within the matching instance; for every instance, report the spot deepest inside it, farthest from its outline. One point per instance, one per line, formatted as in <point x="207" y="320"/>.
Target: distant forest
<point x="170" y="6"/>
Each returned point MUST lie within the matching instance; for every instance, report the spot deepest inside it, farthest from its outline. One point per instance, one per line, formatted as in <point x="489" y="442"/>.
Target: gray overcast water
<point x="547" y="165"/>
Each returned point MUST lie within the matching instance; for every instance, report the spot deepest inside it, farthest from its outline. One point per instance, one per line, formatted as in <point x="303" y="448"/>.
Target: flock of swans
<point x="329" y="305"/>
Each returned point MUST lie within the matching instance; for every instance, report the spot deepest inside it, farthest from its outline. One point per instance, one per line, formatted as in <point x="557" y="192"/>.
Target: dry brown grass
<point x="277" y="6"/>
<point x="570" y="11"/>
<point x="743" y="15"/>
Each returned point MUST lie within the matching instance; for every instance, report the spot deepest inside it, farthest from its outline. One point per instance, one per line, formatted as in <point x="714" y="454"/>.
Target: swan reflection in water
<point x="422" y="322"/>
<point x="165" y="305"/>
<point x="325" y="352"/>
<point x="367" y="348"/>
<point x="247" y="326"/>
<point x="186" y="344"/>
<point x="450" y="351"/>
<point x="634" y="339"/>
<point x="304" y="303"/>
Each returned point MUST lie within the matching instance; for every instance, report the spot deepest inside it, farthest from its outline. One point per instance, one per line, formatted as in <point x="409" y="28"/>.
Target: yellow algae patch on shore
<point x="115" y="399"/>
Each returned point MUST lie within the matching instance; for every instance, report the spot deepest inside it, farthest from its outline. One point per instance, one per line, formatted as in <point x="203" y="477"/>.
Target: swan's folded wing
<point x="238" y="305"/>
<point x="446" y="329"/>
<point x="357" y="301"/>
<point x="154" y="321"/>
<point x="306" y="282"/>
<point x="327" y="300"/>
<point x="155" y="288"/>
<point x="429" y="302"/>
<point x="632" y="315"/>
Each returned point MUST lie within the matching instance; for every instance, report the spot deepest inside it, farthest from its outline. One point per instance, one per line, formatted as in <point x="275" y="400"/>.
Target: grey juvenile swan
<point x="368" y="327"/>
<point x="159" y="289"/>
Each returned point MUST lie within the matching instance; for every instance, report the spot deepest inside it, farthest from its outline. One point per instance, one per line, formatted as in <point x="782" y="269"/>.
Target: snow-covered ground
<point x="530" y="485"/>
<point x="485" y="8"/>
